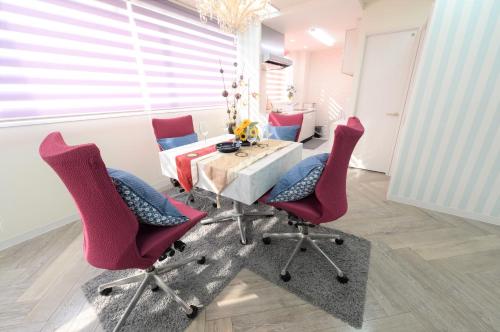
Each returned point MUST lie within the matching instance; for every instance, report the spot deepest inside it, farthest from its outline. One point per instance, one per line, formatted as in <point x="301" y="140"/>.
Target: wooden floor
<point x="428" y="272"/>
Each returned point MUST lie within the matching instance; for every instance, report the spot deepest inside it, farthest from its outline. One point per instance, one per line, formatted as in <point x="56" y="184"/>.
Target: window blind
<point x="276" y="85"/>
<point x="75" y="57"/>
<point x="181" y="56"/>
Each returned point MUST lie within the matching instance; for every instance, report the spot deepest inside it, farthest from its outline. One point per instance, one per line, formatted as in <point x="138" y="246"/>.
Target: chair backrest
<point x="331" y="188"/>
<point x="277" y="120"/>
<point x="109" y="227"/>
<point x="173" y="127"/>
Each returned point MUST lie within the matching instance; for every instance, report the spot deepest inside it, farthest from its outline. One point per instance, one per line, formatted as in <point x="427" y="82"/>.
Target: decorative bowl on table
<point x="228" y="147"/>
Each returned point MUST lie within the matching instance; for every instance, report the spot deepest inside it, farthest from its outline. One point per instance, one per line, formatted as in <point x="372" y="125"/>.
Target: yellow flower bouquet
<point x="247" y="131"/>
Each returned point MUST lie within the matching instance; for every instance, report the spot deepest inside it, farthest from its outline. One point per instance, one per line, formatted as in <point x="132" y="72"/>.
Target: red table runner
<point x="183" y="163"/>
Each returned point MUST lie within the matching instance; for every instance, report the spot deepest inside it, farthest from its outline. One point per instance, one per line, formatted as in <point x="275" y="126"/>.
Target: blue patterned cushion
<point x="284" y="133"/>
<point x="173" y="142"/>
<point x="149" y="206"/>
<point x="300" y="181"/>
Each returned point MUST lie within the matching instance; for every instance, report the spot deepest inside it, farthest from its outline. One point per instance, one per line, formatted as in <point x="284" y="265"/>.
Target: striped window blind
<point x="276" y="85"/>
<point x="181" y="57"/>
<point x="78" y="57"/>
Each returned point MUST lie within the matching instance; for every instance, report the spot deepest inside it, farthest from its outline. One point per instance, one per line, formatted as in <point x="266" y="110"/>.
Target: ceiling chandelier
<point x="233" y="16"/>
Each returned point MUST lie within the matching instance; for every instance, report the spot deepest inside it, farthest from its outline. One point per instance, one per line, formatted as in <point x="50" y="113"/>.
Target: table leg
<point x="238" y="215"/>
<point x="238" y="212"/>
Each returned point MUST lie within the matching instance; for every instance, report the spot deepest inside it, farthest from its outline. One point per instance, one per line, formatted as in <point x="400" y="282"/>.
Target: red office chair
<point x="173" y="127"/>
<point x="327" y="203"/>
<point x="176" y="127"/>
<point x="276" y="119"/>
<point x="113" y="238"/>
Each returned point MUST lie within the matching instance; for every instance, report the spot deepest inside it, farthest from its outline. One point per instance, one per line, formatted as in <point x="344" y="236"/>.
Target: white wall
<point x="319" y="79"/>
<point x="34" y="200"/>
<point x="449" y="158"/>
<point x="249" y="59"/>
<point x="386" y="16"/>
<point x="301" y="63"/>
<point x="327" y="85"/>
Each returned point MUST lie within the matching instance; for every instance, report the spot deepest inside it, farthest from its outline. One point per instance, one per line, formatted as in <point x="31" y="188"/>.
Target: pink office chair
<point x="173" y="127"/>
<point x="176" y="127"/>
<point x="327" y="203"/>
<point x="113" y="238"/>
<point x="276" y="119"/>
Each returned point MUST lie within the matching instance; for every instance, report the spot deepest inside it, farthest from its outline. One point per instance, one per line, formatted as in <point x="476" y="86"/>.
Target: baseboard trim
<point x="38" y="231"/>
<point x="445" y="209"/>
<point x="161" y="186"/>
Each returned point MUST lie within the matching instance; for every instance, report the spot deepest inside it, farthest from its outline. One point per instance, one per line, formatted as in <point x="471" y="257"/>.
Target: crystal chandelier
<point x="233" y="16"/>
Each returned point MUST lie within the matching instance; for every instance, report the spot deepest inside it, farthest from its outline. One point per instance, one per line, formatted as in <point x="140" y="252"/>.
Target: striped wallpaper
<point x="449" y="158"/>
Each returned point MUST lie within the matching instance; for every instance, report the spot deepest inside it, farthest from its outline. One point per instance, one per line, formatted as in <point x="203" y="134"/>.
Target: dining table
<point x="242" y="176"/>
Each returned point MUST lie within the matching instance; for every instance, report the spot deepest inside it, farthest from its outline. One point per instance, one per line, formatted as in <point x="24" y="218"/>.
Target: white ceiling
<point x="297" y="16"/>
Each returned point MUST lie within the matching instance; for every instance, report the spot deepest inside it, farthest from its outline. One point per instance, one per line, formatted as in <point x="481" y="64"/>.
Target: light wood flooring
<point x="428" y="272"/>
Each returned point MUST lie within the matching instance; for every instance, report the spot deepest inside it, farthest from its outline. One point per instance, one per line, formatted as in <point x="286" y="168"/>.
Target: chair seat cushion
<point x="300" y="181"/>
<point x="306" y="208"/>
<point x="145" y="202"/>
<point x="284" y="133"/>
<point x="152" y="241"/>
<point x="173" y="142"/>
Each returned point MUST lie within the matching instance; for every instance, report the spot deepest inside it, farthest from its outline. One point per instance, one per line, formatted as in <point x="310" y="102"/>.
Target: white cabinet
<point x="308" y="124"/>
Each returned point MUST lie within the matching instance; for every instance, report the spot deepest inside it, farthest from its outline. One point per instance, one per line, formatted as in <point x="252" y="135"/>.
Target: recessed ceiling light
<point x="322" y="36"/>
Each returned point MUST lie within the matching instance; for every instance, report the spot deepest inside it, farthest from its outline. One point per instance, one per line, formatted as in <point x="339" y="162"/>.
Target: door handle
<point x="392" y="114"/>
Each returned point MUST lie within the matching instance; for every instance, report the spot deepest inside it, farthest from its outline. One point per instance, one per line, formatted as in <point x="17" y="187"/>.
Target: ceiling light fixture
<point x="322" y="36"/>
<point x="235" y="16"/>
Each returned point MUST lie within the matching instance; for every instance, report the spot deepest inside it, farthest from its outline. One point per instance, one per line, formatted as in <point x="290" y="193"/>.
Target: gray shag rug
<point x="313" y="279"/>
<point x="314" y="143"/>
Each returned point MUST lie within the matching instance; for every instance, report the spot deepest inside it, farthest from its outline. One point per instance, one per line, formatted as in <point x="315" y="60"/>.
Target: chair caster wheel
<point x="290" y="223"/>
<point x="193" y="313"/>
<point x="266" y="240"/>
<point x="192" y="200"/>
<point x="342" y="279"/>
<point x="214" y="205"/>
<point x="155" y="288"/>
<point x="202" y="260"/>
<point x="286" y="277"/>
<point x="303" y="249"/>
<point x="179" y="245"/>
<point x="242" y="243"/>
<point x="168" y="253"/>
<point x="182" y="190"/>
<point x="339" y="241"/>
<point x="106" y="291"/>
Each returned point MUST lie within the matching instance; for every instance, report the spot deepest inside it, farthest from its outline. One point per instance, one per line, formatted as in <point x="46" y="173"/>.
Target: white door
<point x="383" y="88"/>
